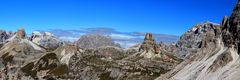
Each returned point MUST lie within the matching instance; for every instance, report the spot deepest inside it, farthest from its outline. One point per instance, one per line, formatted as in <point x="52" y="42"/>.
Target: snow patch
<point x="36" y="47"/>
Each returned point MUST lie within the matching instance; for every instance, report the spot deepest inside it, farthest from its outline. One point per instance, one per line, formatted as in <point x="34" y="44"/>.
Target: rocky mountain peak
<point x="149" y="44"/>
<point x="95" y="41"/>
<point x="149" y="36"/>
<point x="4" y="36"/>
<point x="231" y="28"/>
<point x="46" y="40"/>
<point x="21" y="33"/>
<point x="215" y="56"/>
<point x="235" y="14"/>
<point x="225" y="23"/>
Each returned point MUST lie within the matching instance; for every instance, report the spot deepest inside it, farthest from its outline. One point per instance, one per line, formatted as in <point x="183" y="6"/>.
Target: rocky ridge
<point x="4" y="35"/>
<point x="215" y="56"/>
<point x="17" y="52"/>
<point x="46" y="40"/>
<point x="30" y="59"/>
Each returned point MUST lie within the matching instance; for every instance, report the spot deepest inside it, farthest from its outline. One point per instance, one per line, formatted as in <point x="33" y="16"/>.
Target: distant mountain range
<point x="43" y="56"/>
<point x="207" y="51"/>
<point x="125" y="39"/>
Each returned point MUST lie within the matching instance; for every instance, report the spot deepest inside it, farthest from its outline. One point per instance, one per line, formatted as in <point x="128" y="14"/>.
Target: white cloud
<point x="69" y="38"/>
<point x="126" y="44"/>
<point x="121" y="36"/>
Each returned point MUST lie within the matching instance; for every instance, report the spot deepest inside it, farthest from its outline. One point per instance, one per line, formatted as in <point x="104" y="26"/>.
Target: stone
<point x="149" y="44"/>
<point x="231" y="29"/>
<point x="21" y="33"/>
<point x="95" y="41"/>
<point x="4" y="35"/>
<point x="46" y="40"/>
<point x="148" y="36"/>
<point x="225" y="23"/>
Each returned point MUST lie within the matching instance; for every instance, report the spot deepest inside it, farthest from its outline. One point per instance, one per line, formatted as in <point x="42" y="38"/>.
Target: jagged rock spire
<point x="236" y="10"/>
<point x="225" y="23"/>
<point x="234" y="19"/>
<point x="231" y="28"/>
<point x="150" y="44"/>
<point x="21" y="33"/>
<point x="148" y="36"/>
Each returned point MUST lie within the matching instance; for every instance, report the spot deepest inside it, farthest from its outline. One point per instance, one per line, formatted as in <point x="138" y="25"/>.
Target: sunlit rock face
<point x="197" y="37"/>
<point x="15" y="53"/>
<point x="231" y="28"/>
<point x="21" y="33"/>
<point x="150" y="44"/>
<point x="4" y="35"/>
<point x="213" y="55"/>
<point x="40" y="56"/>
<point x="149" y="48"/>
<point x="46" y="40"/>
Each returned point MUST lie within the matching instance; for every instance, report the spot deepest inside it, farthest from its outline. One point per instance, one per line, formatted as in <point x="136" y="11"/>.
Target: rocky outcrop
<point x="149" y="48"/>
<point x="216" y="57"/>
<point x="46" y="40"/>
<point x="21" y="33"/>
<point x="47" y="67"/>
<point x="149" y="44"/>
<point x="64" y="53"/>
<point x="231" y="29"/>
<point x="15" y="54"/>
<point x="205" y="54"/>
<point x="221" y="61"/>
<point x="97" y="58"/>
<point x="197" y="38"/>
<point x="95" y="41"/>
<point x="94" y="63"/>
<point x="112" y="63"/>
<point x="52" y="65"/>
<point x="3" y="37"/>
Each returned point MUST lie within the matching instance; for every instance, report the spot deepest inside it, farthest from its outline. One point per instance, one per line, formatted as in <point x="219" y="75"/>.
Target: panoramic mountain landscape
<point x="206" y="51"/>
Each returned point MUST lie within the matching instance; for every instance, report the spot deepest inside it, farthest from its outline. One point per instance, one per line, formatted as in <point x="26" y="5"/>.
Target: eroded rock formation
<point x="149" y="44"/>
<point x="95" y="41"/>
<point x="21" y="33"/>
<point x="46" y="40"/>
<point x="210" y="57"/>
<point x="231" y="29"/>
<point x="4" y="36"/>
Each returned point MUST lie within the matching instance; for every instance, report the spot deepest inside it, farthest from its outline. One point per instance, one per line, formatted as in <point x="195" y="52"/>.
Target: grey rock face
<point x="150" y="44"/>
<point x="3" y="37"/>
<point x="15" y="54"/>
<point x="197" y="37"/>
<point x="231" y="29"/>
<point x="210" y="50"/>
<point x="95" y="41"/>
<point x="21" y="33"/>
<point x="46" y="40"/>
<point x="96" y="64"/>
<point x="98" y="59"/>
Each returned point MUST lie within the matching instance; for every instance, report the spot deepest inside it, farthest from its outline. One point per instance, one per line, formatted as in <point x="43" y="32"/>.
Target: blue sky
<point x="157" y="16"/>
